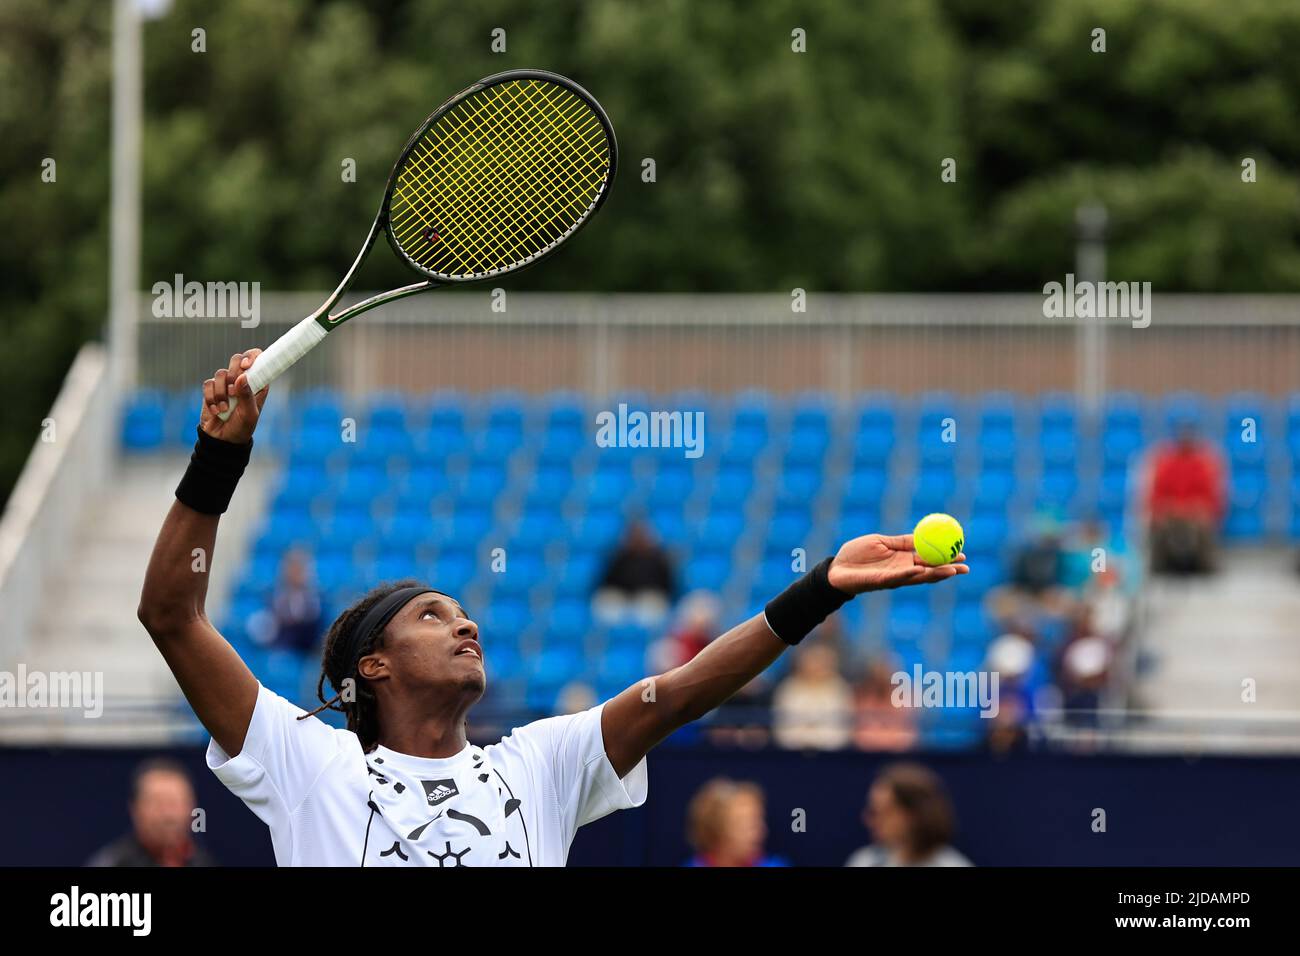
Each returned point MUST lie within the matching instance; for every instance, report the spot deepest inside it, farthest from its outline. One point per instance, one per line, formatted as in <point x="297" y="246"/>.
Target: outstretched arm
<point x="647" y="712"/>
<point x="217" y="684"/>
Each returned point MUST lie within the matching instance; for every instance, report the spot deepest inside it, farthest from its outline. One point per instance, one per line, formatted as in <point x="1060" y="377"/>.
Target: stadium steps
<point x="89" y="609"/>
<point x="1204" y="636"/>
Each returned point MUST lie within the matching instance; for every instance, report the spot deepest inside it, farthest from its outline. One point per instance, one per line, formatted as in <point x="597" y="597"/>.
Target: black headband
<point x="377" y="618"/>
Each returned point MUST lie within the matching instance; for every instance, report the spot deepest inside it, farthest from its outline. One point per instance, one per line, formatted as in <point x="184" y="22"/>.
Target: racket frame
<point x="306" y="334"/>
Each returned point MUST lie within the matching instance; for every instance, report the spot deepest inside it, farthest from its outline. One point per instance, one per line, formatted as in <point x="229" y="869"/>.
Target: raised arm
<point x="218" y="685"/>
<point x="644" y="714"/>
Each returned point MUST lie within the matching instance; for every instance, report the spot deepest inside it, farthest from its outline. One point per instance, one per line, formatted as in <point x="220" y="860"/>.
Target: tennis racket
<point x="494" y="180"/>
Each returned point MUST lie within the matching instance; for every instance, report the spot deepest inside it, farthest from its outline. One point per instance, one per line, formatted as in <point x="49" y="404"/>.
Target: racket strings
<point x="498" y="226"/>
<point x="499" y="179"/>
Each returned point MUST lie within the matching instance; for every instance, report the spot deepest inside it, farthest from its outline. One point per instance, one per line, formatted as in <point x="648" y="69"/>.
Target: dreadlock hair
<point x="363" y="710"/>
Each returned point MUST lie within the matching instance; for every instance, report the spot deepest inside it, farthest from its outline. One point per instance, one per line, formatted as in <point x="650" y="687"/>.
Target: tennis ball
<point x="938" y="539"/>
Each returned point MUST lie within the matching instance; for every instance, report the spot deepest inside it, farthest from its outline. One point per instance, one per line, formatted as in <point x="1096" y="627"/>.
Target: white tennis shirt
<point x="515" y="803"/>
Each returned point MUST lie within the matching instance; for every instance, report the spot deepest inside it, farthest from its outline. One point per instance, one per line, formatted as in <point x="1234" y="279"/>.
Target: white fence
<point x="69" y="463"/>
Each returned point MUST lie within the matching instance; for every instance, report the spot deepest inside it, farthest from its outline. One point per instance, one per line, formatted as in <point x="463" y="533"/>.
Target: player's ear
<point x="372" y="667"/>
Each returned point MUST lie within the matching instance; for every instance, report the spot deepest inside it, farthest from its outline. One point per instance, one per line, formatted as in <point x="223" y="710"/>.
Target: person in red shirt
<point x="1185" y="503"/>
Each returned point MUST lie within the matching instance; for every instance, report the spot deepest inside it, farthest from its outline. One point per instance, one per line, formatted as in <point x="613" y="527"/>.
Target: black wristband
<point x="215" y="469"/>
<point x="794" y="612"/>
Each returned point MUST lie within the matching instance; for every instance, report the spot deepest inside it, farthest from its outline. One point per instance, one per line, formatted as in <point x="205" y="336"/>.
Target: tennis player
<point x="402" y="786"/>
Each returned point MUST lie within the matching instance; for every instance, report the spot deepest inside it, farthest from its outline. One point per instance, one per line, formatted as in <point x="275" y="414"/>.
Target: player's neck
<point x="426" y="735"/>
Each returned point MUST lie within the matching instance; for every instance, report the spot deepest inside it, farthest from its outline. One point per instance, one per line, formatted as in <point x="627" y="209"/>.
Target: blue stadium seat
<point x="1059" y="446"/>
<point x="468" y="526"/>
<point x="744" y="443"/>
<point x="873" y="446"/>
<point x="719" y="529"/>
<point x="672" y="485"/>
<point x="997" y="447"/>
<point x="708" y="570"/>
<point x="867" y="486"/>
<point x="452" y="571"/>
<point x="562" y="444"/>
<point x="566" y="411"/>
<point x="578" y="573"/>
<point x="935" y="409"/>
<point x="535" y="530"/>
<point x="997" y="413"/>
<point x="751" y="409"/>
<point x="599" y="530"/>
<point x="789" y="529"/>
<point x="388" y="410"/>
<point x="1120" y="444"/>
<point x="799" y="485"/>
<point x="320" y="410"/>
<point x="420" y="485"/>
<point x="806" y="446"/>
<point x="362" y="484"/>
<point x="408" y="529"/>
<point x="995" y="489"/>
<point x="315" y="443"/>
<point x="524" y="570"/>
<point x="1057" y="412"/>
<point x="1179" y="408"/>
<point x="480" y="484"/>
<point x="143" y="421"/>
<point x="382" y="442"/>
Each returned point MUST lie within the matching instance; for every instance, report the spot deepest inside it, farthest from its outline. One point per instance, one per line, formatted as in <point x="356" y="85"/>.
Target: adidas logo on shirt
<point x="436" y="791"/>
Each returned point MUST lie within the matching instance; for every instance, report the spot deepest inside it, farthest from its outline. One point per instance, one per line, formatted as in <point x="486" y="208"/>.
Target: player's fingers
<point x="941" y="573"/>
<point x="236" y="365"/>
<point x="914" y="574"/>
<point x="249" y="358"/>
<point x="220" y="391"/>
<point x="208" y="396"/>
<point x="897" y="542"/>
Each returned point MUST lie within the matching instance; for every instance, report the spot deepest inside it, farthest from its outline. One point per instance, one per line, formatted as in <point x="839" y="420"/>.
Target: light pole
<point x="1090" y="338"/>
<point x="124" y="227"/>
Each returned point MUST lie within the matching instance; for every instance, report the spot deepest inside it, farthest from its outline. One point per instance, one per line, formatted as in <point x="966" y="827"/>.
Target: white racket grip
<point x="279" y="357"/>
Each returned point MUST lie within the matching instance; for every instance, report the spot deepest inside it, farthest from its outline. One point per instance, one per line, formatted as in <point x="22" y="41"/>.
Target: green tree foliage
<point x="774" y="168"/>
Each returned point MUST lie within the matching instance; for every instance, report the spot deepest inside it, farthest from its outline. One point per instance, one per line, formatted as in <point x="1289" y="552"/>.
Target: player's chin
<point x="473" y="674"/>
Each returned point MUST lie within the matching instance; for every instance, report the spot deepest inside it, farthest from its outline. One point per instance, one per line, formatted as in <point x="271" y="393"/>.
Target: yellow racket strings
<point x="502" y="177"/>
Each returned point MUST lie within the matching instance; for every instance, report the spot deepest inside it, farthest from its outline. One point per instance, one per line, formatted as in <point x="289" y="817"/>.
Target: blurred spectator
<point x="1090" y="549"/>
<point x="1109" y="607"/>
<point x="1185" y="503"/>
<point x="1037" y="566"/>
<point x="697" y="625"/>
<point x="813" y="707"/>
<point x="745" y="719"/>
<point x="1013" y="659"/>
<point x="879" y="724"/>
<point x="162" y="812"/>
<point x="726" y="826"/>
<point x="295" y="620"/>
<point x="1035" y="599"/>
<point x="638" y="581"/>
<point x="911" y="820"/>
<point x="1082" y="678"/>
